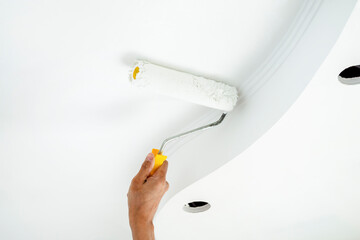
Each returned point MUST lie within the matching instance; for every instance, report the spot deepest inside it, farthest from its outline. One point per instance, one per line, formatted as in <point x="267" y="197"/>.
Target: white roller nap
<point x="184" y="86"/>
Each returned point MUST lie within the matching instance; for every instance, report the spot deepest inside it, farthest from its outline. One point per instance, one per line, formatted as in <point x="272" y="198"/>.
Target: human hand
<point x="144" y="196"/>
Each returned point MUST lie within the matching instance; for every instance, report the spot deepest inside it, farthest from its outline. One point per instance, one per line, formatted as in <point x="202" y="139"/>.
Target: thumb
<point x="146" y="168"/>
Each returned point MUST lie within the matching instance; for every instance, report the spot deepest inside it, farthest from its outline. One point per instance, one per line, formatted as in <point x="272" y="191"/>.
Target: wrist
<point x="142" y="230"/>
<point x="143" y="224"/>
<point x="140" y="218"/>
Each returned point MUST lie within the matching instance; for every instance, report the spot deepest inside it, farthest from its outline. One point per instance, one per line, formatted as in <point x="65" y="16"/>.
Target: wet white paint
<point x="184" y="86"/>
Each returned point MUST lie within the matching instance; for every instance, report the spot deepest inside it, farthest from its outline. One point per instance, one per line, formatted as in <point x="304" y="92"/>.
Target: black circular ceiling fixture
<point x="350" y="75"/>
<point x="196" y="207"/>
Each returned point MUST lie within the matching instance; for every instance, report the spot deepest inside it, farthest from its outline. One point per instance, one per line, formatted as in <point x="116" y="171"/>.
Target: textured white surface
<point x="184" y="86"/>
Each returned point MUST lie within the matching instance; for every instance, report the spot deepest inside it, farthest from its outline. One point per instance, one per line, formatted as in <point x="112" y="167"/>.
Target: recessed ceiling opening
<point x="350" y="75"/>
<point x="196" y="207"/>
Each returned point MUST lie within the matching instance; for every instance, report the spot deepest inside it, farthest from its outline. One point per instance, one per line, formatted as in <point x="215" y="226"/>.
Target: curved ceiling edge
<point x="279" y="82"/>
<point x="296" y="30"/>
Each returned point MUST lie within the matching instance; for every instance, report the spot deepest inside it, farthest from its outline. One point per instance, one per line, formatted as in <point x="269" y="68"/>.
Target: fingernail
<point x="149" y="157"/>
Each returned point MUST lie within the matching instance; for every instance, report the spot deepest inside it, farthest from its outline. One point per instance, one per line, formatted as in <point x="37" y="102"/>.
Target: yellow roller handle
<point x="159" y="160"/>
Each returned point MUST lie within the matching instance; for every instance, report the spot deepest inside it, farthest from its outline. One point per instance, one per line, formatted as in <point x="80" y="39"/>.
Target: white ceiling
<point x="299" y="181"/>
<point x="73" y="132"/>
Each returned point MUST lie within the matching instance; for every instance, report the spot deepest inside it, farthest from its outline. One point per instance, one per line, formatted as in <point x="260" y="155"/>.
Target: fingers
<point x="146" y="168"/>
<point x="162" y="170"/>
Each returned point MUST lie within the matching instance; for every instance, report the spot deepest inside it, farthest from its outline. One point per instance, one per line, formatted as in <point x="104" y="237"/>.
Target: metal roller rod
<point x="211" y="125"/>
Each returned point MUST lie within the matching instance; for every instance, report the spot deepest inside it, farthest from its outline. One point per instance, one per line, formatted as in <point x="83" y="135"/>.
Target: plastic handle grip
<point x="159" y="160"/>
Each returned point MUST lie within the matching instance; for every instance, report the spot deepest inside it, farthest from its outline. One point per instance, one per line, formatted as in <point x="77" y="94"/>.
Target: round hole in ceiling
<point x="350" y="75"/>
<point x="196" y="207"/>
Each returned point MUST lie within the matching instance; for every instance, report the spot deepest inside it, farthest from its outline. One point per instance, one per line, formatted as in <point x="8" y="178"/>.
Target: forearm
<point x="143" y="231"/>
<point x="144" y="196"/>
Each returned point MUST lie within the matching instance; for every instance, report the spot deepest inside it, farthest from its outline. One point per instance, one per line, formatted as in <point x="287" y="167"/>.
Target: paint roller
<point x="184" y="86"/>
